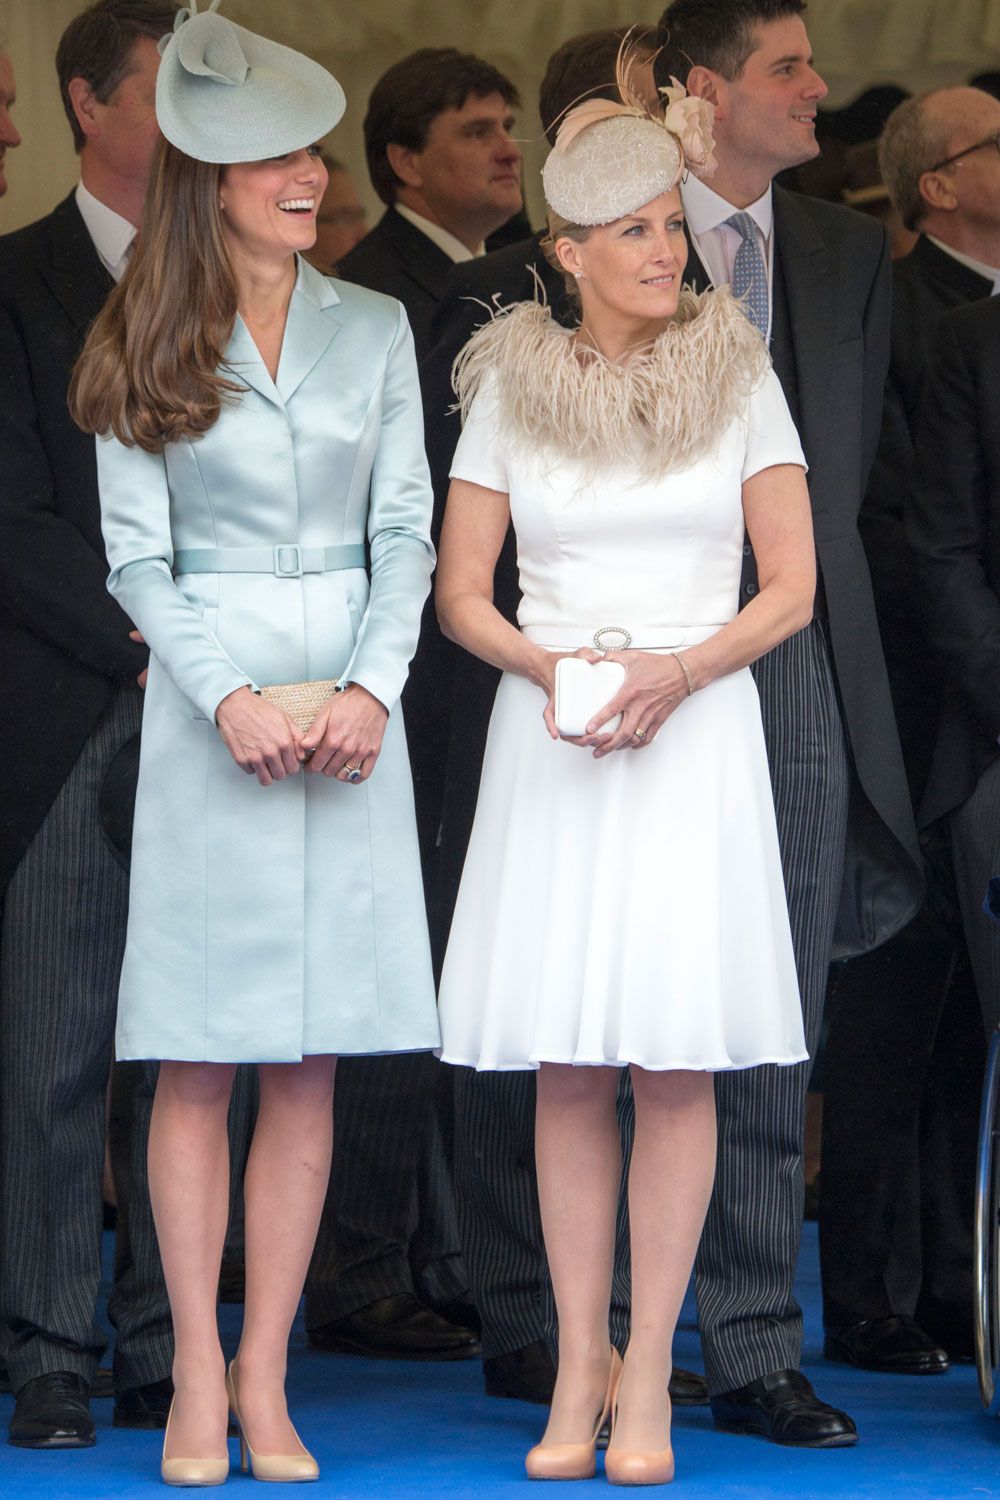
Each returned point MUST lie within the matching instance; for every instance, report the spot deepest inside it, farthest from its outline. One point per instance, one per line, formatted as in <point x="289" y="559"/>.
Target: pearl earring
<point x="578" y="275"/>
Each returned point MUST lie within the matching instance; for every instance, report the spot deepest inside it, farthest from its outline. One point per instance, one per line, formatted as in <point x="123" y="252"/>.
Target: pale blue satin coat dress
<point x="266" y="923"/>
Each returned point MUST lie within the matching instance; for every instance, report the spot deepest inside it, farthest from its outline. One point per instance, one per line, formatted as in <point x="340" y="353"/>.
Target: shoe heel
<point x="574" y="1460"/>
<point x="635" y="1468"/>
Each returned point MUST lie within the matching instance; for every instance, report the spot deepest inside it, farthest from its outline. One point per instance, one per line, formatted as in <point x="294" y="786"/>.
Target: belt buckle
<point x="284" y="569"/>
<point x="626" y="638"/>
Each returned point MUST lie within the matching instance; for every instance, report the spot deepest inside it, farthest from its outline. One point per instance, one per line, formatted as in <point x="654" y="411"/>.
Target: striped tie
<point x="750" y="272"/>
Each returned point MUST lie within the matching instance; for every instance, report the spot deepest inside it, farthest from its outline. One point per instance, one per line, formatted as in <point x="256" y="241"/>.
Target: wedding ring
<point x="639" y="734"/>
<point x="353" y="773"/>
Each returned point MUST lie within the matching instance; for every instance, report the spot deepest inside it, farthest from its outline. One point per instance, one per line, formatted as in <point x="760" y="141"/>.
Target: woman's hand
<point x="654" y="685"/>
<point x="346" y="735"/>
<point x="259" y="736"/>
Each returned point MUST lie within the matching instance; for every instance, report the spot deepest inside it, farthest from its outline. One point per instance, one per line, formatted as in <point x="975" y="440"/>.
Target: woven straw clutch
<point x="301" y="701"/>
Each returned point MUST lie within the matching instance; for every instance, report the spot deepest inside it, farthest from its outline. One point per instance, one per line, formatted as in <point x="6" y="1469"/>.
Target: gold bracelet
<point x="684" y="668"/>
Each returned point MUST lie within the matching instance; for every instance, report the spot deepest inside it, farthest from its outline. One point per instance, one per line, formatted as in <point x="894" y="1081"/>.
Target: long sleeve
<point x="51" y="577"/>
<point x="402" y="556"/>
<point x="947" y="523"/>
<point x="135" y="516"/>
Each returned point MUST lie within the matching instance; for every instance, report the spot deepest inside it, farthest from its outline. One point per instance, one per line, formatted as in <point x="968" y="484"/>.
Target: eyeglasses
<point x="991" y="140"/>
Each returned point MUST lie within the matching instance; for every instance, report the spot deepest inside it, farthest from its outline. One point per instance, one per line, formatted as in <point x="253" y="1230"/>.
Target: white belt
<point x="618" y="637"/>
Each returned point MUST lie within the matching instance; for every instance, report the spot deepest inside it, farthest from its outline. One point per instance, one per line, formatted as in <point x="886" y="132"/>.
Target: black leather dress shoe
<point x="53" y="1411"/>
<point x="524" y="1374"/>
<point x="687" y="1388"/>
<point x="145" y="1407"/>
<point x="784" y="1408"/>
<point x="398" y="1327"/>
<point x="895" y="1345"/>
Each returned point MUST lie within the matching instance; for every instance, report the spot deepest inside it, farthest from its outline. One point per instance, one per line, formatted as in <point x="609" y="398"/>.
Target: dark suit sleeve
<point x="877" y="335"/>
<point x="51" y="580"/>
<point x="947" y="522"/>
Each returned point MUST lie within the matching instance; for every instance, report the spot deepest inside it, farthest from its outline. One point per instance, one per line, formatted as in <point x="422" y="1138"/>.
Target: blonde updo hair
<point x="564" y="229"/>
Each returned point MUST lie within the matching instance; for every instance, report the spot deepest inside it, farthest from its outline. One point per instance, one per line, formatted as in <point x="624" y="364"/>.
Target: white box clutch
<point x="583" y="687"/>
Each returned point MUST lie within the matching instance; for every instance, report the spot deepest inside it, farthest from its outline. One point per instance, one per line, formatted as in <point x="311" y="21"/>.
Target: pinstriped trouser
<point x="750" y="1321"/>
<point x="63" y="936"/>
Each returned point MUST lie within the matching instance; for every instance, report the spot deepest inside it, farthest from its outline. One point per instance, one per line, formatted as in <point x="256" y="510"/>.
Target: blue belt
<point x="286" y="560"/>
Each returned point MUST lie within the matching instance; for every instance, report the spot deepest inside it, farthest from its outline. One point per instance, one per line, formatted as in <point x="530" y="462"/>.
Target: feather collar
<point x="663" y="408"/>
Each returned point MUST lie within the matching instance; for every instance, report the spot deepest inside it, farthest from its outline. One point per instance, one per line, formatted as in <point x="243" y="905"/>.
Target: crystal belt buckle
<point x="622" y="645"/>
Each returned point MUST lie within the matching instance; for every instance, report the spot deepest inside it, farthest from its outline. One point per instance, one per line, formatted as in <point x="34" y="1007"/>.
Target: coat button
<point x="747" y="549"/>
<point x="750" y="590"/>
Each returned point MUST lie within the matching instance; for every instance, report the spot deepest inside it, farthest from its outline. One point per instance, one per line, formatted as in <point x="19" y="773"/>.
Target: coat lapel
<point x="310" y="329"/>
<point x="809" y="275"/>
<point x="74" y="274"/>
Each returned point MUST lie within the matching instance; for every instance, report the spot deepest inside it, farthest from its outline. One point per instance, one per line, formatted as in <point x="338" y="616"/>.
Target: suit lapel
<point x="809" y="277"/>
<point x="74" y="273"/>
<point x="422" y="260"/>
<point x="695" y="274"/>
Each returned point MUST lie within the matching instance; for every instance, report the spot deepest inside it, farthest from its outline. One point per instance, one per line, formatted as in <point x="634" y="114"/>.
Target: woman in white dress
<point x="622" y="902"/>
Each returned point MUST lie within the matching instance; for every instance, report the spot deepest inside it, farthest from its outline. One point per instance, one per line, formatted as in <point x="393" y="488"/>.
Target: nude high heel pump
<point x="574" y="1460"/>
<point x="282" y="1468"/>
<point x="636" y="1468"/>
<point x="191" y="1472"/>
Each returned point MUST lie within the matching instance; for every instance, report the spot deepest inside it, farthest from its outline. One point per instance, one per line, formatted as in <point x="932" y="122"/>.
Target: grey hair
<point x="911" y="143"/>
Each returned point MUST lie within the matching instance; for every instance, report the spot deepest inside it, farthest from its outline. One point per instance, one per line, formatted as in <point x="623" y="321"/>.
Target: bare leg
<point x="670" y="1184"/>
<point x="189" y="1190"/>
<point x="578" y="1155"/>
<point x="285" y="1186"/>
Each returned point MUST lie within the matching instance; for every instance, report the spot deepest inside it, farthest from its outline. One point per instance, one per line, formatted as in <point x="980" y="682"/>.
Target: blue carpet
<point x="391" y="1429"/>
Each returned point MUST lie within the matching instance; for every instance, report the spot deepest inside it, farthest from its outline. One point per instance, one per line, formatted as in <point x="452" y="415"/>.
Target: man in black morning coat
<point x="71" y="708"/>
<point x="849" y="848"/>
<point x="901" y="1077"/>
<point x="953" y="520"/>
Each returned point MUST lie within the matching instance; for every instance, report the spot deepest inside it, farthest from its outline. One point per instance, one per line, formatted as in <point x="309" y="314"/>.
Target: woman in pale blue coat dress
<point x="260" y="431"/>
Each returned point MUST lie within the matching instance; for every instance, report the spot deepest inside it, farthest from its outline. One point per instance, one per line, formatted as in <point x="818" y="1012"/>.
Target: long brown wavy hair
<point x="149" y="369"/>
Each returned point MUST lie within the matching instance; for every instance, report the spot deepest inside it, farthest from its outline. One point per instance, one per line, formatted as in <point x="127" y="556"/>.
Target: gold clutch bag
<point x="301" y="701"/>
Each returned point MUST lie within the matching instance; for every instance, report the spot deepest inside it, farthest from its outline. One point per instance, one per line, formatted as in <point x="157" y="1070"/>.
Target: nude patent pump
<point x="281" y="1468"/>
<point x="191" y="1472"/>
<point x="574" y="1460"/>
<point x="636" y="1468"/>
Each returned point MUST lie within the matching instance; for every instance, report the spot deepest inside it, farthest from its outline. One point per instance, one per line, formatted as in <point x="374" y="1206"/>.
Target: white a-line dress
<point x="630" y="909"/>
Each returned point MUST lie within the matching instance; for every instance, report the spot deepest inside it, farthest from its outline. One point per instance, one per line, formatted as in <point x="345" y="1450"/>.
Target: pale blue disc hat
<point x="224" y="94"/>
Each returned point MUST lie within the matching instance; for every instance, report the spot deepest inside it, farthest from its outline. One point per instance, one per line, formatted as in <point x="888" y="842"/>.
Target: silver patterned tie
<point x="750" y="272"/>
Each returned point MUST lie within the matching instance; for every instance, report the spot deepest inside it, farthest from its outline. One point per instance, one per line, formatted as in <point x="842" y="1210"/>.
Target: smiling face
<point x="8" y="135"/>
<point x="767" y="115"/>
<point x="630" y="270"/>
<point x="468" y="172"/>
<point x="269" y="207"/>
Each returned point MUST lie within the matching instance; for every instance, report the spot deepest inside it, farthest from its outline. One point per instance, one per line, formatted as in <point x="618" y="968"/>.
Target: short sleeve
<point x="771" y="435"/>
<point x="481" y="456"/>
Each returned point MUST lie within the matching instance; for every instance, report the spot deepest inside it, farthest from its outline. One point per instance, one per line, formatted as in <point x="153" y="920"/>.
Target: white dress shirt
<point x="112" y="235"/>
<point x="989" y="273"/>
<point x="443" y="238"/>
<point x="717" y="242"/>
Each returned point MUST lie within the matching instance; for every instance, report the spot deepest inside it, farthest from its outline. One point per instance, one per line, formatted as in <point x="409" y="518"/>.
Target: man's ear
<point x="938" y="191"/>
<point x="704" y="84"/>
<point x="85" y="105"/>
<point x="403" y="162"/>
